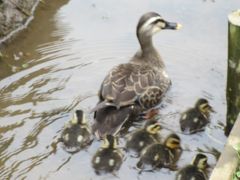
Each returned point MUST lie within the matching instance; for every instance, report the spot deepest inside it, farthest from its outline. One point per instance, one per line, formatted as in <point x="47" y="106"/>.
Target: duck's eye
<point x="158" y="21"/>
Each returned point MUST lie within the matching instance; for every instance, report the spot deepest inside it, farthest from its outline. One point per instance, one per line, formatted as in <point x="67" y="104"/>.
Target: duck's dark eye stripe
<point x="157" y="21"/>
<point x="205" y="106"/>
<point x="175" y="142"/>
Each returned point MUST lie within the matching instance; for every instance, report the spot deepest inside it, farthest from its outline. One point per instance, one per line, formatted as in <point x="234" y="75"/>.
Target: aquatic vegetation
<point x="236" y="175"/>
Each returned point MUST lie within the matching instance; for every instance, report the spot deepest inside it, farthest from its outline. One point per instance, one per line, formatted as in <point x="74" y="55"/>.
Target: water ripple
<point x="61" y="69"/>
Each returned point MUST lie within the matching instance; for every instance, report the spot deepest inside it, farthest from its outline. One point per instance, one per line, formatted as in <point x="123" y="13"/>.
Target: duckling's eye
<point x="205" y="107"/>
<point x="203" y="162"/>
<point x="156" y="126"/>
<point x="175" y="142"/>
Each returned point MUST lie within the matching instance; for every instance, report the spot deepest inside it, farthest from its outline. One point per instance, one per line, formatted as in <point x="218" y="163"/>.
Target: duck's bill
<point x="208" y="166"/>
<point x="211" y="109"/>
<point x="172" y="25"/>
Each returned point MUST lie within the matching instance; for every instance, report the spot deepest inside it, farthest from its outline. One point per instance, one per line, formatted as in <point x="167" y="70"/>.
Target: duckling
<point x="196" y="170"/>
<point x="76" y="134"/>
<point x="143" y="137"/>
<point x="159" y="155"/>
<point x="195" y="119"/>
<point x="136" y="86"/>
<point x="108" y="159"/>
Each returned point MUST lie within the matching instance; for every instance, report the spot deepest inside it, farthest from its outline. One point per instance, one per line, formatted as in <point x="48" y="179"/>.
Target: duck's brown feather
<point x="127" y="82"/>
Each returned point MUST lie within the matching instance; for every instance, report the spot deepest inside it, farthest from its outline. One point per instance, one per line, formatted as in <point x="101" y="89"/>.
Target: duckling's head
<point x="200" y="161"/>
<point x="109" y="142"/>
<point x="173" y="141"/>
<point x="152" y="126"/>
<point x="79" y="117"/>
<point x="203" y="106"/>
<point x="150" y="23"/>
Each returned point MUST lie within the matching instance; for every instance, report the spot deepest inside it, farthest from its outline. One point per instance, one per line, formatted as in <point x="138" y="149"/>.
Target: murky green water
<point x="57" y="66"/>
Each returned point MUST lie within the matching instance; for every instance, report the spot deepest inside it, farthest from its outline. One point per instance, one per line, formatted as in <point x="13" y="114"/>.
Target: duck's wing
<point x="127" y="82"/>
<point x="109" y="120"/>
<point x="122" y="87"/>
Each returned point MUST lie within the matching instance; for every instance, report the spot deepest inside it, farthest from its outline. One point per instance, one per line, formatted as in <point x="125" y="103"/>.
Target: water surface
<point x="57" y="66"/>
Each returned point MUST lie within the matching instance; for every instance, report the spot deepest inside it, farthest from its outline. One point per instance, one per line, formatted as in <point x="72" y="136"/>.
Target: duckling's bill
<point x="211" y="109"/>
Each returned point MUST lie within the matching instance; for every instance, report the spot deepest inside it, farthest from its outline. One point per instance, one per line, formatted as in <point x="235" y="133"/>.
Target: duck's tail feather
<point x="109" y="120"/>
<point x="102" y="105"/>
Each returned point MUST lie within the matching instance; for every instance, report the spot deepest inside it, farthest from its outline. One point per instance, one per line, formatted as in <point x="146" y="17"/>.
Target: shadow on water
<point x="58" y="63"/>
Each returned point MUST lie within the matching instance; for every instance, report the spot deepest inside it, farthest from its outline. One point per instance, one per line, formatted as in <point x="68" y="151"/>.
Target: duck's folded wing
<point x="109" y="120"/>
<point x="125" y="83"/>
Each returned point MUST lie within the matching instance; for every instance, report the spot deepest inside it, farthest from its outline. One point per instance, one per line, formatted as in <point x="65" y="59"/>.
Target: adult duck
<point x="134" y="87"/>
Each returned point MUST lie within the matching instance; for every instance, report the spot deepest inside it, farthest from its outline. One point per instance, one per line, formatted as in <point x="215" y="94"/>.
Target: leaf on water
<point x="237" y="147"/>
<point x="238" y="174"/>
<point x="25" y="65"/>
<point x="235" y="178"/>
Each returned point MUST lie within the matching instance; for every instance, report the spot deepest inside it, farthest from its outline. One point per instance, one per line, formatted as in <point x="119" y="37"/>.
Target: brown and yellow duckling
<point x="143" y="137"/>
<point x="157" y="155"/>
<point x="196" y="170"/>
<point x="136" y="86"/>
<point x="109" y="158"/>
<point x="195" y="119"/>
<point x="76" y="134"/>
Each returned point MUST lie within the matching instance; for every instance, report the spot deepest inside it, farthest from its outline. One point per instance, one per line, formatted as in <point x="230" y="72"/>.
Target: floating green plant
<point x="236" y="175"/>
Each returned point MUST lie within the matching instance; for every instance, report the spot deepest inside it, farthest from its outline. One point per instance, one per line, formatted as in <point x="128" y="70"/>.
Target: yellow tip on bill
<point x="179" y="26"/>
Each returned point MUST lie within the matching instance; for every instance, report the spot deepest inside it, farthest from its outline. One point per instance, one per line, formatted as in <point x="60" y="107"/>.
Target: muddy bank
<point x="22" y="48"/>
<point x="14" y="16"/>
<point x="56" y="65"/>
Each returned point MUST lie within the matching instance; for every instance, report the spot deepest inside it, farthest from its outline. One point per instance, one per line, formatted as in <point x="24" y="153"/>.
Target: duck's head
<point x="200" y="161"/>
<point x="203" y="106"/>
<point x="79" y="117"/>
<point x="150" y="23"/>
<point x="110" y="142"/>
<point x="152" y="126"/>
<point x="173" y="141"/>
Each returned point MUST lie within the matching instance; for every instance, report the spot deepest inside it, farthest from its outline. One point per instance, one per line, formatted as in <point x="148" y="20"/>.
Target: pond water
<point x="58" y="63"/>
